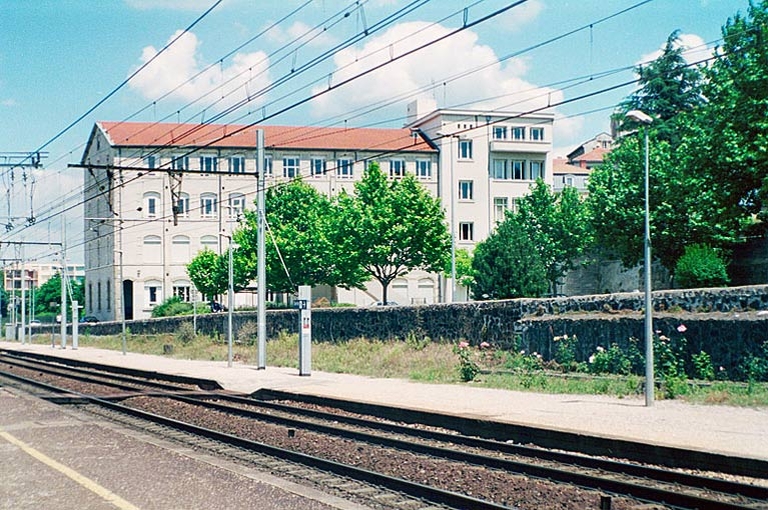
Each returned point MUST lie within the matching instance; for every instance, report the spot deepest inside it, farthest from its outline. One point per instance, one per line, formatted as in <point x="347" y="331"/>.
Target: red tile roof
<point x="561" y="166"/>
<point x="593" y="155"/>
<point x="147" y="134"/>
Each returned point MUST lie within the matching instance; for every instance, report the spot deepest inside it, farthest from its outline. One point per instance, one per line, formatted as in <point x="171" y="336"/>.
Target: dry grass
<point x="418" y="360"/>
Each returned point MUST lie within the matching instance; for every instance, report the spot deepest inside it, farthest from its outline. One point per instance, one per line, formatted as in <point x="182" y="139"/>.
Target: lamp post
<point x="452" y="192"/>
<point x="646" y="120"/>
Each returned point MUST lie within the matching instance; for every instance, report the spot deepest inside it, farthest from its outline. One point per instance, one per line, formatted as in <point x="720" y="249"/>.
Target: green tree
<point x="688" y="203"/>
<point x="734" y="121"/>
<point x="557" y="224"/>
<point x="507" y="264"/>
<point x="392" y="227"/>
<point x="464" y="272"/>
<point x="48" y="295"/>
<point x="3" y="298"/>
<point x="300" y="249"/>
<point x="206" y="273"/>
<point x="669" y="86"/>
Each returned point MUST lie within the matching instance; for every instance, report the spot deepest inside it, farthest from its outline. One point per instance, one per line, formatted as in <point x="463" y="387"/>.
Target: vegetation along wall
<point x="727" y="323"/>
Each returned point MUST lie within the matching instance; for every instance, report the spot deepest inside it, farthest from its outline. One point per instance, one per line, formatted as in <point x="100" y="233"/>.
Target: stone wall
<point x="725" y="323"/>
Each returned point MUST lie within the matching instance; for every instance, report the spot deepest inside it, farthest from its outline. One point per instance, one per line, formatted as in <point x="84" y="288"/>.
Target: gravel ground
<point x="515" y="491"/>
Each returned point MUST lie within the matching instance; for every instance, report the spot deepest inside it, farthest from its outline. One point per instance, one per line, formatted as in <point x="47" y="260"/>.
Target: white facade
<point x="478" y="164"/>
<point x="488" y="160"/>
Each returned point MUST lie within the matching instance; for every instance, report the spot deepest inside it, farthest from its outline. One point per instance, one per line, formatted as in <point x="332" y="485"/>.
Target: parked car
<point x="388" y="303"/>
<point x="89" y="319"/>
<point x="35" y="322"/>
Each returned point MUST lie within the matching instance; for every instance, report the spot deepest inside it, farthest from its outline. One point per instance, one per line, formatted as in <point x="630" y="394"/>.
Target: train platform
<point x="728" y="430"/>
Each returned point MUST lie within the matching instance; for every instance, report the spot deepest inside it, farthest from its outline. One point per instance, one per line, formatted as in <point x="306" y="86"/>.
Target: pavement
<point x="729" y="430"/>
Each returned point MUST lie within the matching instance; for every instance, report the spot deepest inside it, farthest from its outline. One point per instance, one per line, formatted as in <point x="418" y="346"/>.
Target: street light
<point x="646" y="120"/>
<point x="452" y="192"/>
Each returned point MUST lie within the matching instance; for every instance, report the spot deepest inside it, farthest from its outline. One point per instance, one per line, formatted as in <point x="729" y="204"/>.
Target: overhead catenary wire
<point x="553" y="105"/>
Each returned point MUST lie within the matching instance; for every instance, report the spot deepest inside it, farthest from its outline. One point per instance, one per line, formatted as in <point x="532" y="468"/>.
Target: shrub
<point x="702" y="365"/>
<point x="565" y="352"/>
<point x="172" y="306"/>
<point x="609" y="361"/>
<point x="701" y="266"/>
<point x="185" y="332"/>
<point x="468" y="368"/>
<point x="247" y="332"/>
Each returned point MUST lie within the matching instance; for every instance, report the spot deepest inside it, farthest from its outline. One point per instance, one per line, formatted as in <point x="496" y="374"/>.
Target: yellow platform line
<point x="71" y="473"/>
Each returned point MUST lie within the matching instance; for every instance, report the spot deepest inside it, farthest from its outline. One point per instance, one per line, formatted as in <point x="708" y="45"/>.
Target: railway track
<point x="240" y="423"/>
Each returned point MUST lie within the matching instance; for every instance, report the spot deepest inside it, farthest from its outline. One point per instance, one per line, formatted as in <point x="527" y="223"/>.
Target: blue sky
<point x="58" y="58"/>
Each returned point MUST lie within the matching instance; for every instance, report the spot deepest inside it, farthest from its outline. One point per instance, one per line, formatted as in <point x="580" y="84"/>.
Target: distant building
<point x="142" y="226"/>
<point x="565" y="174"/>
<point x="36" y="274"/>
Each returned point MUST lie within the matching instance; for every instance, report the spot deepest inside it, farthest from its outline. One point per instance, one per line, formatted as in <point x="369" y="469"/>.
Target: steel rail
<point x="432" y="494"/>
<point x="632" y="489"/>
<point x="626" y="468"/>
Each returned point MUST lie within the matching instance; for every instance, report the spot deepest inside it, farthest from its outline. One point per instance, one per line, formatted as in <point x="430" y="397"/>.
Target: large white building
<point x="156" y="194"/>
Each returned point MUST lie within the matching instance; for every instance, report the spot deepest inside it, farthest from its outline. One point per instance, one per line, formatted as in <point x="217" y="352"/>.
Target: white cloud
<point x="496" y="86"/>
<point x="694" y="50"/>
<point x="517" y="17"/>
<point x="566" y="133"/>
<point x="176" y="71"/>
<point x="302" y="33"/>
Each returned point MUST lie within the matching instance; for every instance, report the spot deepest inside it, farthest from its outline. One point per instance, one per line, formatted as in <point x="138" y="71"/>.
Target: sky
<point x="66" y="64"/>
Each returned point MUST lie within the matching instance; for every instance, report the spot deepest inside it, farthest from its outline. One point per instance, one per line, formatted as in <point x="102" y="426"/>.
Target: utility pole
<point x="261" y="270"/>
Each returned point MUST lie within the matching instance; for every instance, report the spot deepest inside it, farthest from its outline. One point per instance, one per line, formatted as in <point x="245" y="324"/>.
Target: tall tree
<point x="734" y="121"/>
<point x="557" y="223"/>
<point x="48" y="295"/>
<point x="299" y="247"/>
<point x="507" y="264"/>
<point x="205" y="274"/>
<point x="668" y="86"/>
<point x="686" y="202"/>
<point x="392" y="227"/>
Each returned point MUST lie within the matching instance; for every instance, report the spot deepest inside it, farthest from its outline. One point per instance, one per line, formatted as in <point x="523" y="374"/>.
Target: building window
<point x="268" y="166"/>
<point x="537" y="134"/>
<point x="98" y="295"/>
<point x="209" y="164"/>
<point x="500" y="169"/>
<point x="183" y="290"/>
<point x="152" y="290"/>
<point x="152" y="240"/>
<point x="499" y="132"/>
<point x="150" y="161"/>
<point x="317" y="166"/>
<point x="237" y="164"/>
<point x="465" y="149"/>
<point x="396" y="168"/>
<point x="291" y="167"/>
<point x="208" y="205"/>
<point x="518" y="133"/>
<point x="344" y="169"/>
<point x="465" y="190"/>
<point x="180" y="253"/>
<point x="109" y="295"/>
<point x="466" y="231"/>
<point x="180" y="163"/>
<point x="90" y="296"/>
<point x="518" y="169"/>
<point x="151" y="203"/>
<point x="236" y="205"/>
<point x="423" y="169"/>
<point x="182" y="205"/>
<point x="568" y="180"/>
<point x="210" y="242"/>
<point x="500" y="206"/>
<point x="536" y="170"/>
